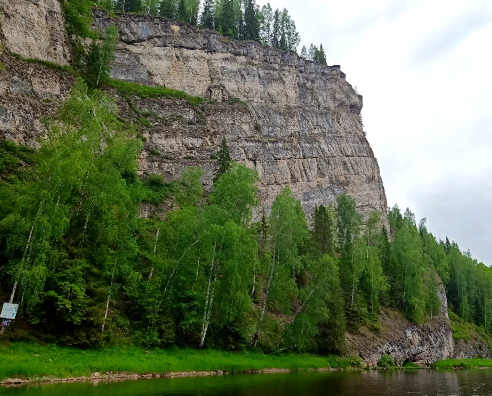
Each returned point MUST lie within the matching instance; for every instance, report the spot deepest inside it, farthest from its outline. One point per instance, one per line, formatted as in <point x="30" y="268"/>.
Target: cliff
<point x="297" y="122"/>
<point x="301" y="126"/>
<point x="405" y="341"/>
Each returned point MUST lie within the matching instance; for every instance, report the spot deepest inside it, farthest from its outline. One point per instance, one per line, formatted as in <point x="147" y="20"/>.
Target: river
<point x="420" y="382"/>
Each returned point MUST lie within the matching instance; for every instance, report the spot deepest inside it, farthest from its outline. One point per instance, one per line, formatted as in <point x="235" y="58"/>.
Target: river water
<point x="418" y="382"/>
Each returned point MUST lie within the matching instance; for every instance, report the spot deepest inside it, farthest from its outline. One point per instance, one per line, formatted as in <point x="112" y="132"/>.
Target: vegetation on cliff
<point x="87" y="270"/>
<point x="238" y="19"/>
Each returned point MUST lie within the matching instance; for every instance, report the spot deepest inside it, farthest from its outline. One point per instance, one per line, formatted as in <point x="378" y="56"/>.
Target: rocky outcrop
<point x="301" y="125"/>
<point x="29" y="92"/>
<point x="405" y="341"/>
<point x="35" y="29"/>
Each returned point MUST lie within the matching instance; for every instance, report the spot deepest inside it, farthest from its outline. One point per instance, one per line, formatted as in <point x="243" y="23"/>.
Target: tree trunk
<point x="109" y="295"/>
<point x="205" y="313"/>
<point x="260" y="320"/>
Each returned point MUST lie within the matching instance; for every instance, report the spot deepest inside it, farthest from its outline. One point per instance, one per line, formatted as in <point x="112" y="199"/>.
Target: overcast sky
<point x="424" y="68"/>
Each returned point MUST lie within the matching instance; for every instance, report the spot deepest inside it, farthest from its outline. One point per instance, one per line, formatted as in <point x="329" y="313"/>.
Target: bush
<point x="386" y="361"/>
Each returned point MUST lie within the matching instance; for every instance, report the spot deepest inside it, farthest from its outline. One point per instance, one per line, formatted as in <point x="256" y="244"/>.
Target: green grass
<point x="468" y="331"/>
<point x="144" y="91"/>
<point x="465" y="363"/>
<point x="51" y="65"/>
<point x="19" y="360"/>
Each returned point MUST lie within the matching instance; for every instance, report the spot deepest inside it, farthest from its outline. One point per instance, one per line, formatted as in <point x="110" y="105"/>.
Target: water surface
<point x="418" y="382"/>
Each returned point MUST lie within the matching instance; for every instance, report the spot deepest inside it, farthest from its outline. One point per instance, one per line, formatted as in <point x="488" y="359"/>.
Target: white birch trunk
<point x="204" y="321"/>
<point x="109" y="296"/>
<point x="260" y="320"/>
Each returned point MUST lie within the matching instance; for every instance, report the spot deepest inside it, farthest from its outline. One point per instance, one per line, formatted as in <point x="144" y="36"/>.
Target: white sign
<point x="9" y="311"/>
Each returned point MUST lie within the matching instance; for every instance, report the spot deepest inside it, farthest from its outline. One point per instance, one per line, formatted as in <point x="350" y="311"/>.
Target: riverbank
<point x="25" y="362"/>
<point x="464" y="363"/>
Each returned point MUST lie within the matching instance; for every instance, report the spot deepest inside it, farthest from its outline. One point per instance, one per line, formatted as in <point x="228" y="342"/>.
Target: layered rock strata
<point x="300" y="127"/>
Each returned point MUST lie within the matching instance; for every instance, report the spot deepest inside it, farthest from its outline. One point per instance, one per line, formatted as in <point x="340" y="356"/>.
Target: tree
<point x="168" y="8"/>
<point x="288" y="233"/>
<point x="227" y="19"/>
<point x="313" y="53"/>
<point x="207" y="17"/>
<point x="251" y="24"/>
<point x="351" y="249"/>
<point x="97" y="63"/>
<point x="224" y="160"/>
<point x="266" y="21"/>
<point x="321" y="55"/>
<point x="324" y="230"/>
<point x="182" y="12"/>
<point x="304" y="53"/>
<point x="276" y="29"/>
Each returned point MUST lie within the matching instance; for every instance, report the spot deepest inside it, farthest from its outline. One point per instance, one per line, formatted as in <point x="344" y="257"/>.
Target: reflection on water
<point x="420" y="382"/>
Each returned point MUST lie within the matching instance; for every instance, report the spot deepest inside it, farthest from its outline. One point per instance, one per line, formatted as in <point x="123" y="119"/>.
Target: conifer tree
<point x="224" y="160"/>
<point x="321" y="55"/>
<point x="228" y="22"/>
<point x="304" y="53"/>
<point x="207" y="19"/>
<point x="276" y="29"/>
<point x="251" y="25"/>
<point x="182" y="12"/>
<point x="168" y="8"/>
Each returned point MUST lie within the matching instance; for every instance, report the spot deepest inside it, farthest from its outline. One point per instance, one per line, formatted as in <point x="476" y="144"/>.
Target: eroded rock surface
<point x="301" y="126"/>
<point x="35" y="29"/>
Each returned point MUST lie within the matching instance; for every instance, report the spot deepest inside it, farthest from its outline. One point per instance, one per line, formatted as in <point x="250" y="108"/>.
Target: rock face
<point x="404" y="341"/>
<point x="301" y="126"/>
<point x="35" y="29"/>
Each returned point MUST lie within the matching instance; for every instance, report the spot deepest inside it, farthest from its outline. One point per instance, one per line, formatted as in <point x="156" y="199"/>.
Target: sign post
<point x="9" y="312"/>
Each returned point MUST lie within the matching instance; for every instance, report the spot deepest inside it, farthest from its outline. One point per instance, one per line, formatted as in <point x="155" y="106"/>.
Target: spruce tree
<point x="207" y="17"/>
<point x="228" y="23"/>
<point x="182" y="12"/>
<point x="224" y="160"/>
<point x="168" y="8"/>
<point x="321" y="55"/>
<point x="251" y="25"/>
<point x="304" y="53"/>
<point x="276" y="29"/>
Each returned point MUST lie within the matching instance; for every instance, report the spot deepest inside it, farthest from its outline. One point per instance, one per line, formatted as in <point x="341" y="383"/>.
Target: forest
<point x="87" y="269"/>
<point x="238" y="19"/>
<point x="214" y="270"/>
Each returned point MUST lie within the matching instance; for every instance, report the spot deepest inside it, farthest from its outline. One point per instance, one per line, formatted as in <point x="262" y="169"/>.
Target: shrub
<point x="386" y="361"/>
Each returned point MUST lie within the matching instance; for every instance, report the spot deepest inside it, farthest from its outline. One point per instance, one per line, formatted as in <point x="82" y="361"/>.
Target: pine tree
<point x="224" y="160"/>
<point x="207" y="19"/>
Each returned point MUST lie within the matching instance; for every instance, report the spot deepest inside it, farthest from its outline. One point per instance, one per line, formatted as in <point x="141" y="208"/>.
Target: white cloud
<point x="425" y="70"/>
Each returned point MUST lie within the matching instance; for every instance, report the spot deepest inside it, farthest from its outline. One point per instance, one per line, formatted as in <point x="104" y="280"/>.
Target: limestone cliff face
<point x="301" y="126"/>
<point x="34" y="29"/>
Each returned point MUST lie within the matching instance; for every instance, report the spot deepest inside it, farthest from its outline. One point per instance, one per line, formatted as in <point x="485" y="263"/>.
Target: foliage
<point x="224" y="160"/>
<point x="27" y="360"/>
<point x="97" y="62"/>
<point x="386" y="361"/>
<point x="144" y="91"/>
<point x="463" y="363"/>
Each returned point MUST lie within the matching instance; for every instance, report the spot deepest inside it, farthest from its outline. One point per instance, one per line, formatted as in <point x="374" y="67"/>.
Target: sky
<point x="424" y="68"/>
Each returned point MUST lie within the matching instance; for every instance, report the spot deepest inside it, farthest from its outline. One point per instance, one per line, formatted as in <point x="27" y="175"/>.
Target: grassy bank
<point x="24" y="360"/>
<point x="465" y="363"/>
